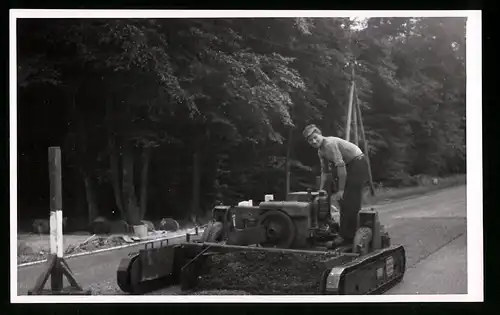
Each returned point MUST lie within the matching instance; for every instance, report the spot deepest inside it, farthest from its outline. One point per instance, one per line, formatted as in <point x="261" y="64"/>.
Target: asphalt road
<point x="432" y="229"/>
<point x="443" y="272"/>
<point x="96" y="272"/>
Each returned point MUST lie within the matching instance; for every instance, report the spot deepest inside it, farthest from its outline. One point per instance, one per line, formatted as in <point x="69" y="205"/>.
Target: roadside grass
<point x="384" y="194"/>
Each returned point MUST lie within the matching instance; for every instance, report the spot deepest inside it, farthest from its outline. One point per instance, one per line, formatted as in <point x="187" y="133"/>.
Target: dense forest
<point x="167" y="117"/>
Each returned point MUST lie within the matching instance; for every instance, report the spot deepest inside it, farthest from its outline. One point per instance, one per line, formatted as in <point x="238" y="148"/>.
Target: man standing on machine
<point x="352" y="172"/>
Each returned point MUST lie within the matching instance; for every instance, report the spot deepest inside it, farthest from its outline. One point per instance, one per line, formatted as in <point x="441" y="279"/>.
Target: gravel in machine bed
<point x="263" y="273"/>
<point x="220" y="292"/>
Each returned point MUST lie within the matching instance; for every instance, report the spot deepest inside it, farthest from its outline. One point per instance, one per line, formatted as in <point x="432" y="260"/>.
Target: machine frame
<point x="371" y="266"/>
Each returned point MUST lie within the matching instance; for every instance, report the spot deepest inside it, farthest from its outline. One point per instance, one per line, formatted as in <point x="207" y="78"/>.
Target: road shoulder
<point x="443" y="272"/>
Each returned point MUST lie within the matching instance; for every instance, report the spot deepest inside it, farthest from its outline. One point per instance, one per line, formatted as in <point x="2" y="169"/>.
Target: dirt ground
<point x="34" y="247"/>
<point x="41" y="242"/>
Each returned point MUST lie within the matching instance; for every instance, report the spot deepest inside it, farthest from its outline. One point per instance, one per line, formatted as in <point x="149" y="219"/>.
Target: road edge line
<point x="32" y="263"/>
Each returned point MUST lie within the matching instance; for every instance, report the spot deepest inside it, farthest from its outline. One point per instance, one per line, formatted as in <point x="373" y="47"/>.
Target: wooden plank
<point x="42" y="279"/>
<point x="69" y="275"/>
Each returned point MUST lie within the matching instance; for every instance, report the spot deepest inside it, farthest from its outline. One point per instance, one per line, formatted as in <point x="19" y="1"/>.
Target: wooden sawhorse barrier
<point x="56" y="266"/>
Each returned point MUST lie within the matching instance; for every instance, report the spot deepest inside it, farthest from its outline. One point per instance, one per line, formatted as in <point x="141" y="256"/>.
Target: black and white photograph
<point x="245" y="156"/>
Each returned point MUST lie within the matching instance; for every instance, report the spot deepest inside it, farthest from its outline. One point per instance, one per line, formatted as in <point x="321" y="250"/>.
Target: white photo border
<point x="475" y="258"/>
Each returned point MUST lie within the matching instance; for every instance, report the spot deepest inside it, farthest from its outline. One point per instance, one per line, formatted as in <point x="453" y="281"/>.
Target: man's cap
<point x="309" y="130"/>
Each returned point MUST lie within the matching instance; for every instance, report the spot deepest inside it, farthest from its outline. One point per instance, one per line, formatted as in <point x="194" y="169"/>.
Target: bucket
<point x="141" y="230"/>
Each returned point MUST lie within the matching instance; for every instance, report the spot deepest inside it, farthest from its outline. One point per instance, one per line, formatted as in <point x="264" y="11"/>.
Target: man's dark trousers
<point x="357" y="175"/>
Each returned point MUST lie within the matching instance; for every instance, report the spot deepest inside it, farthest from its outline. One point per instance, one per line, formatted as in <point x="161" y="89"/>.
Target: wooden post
<point x="56" y="265"/>
<point x="365" y="145"/>
<point x="351" y="100"/>
<point x="355" y="121"/>
<point x="349" y="113"/>
<point x="56" y="233"/>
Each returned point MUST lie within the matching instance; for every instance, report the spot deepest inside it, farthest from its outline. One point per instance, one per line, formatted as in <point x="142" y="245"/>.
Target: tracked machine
<point x="287" y="235"/>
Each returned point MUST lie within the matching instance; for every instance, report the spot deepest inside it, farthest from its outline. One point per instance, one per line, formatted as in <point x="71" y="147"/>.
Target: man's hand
<point x="338" y="195"/>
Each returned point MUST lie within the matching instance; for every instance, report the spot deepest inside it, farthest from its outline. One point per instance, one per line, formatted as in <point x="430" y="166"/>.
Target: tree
<point x="174" y="115"/>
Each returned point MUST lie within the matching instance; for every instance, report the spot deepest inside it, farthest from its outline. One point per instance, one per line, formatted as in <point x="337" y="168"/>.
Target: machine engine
<point x="303" y="221"/>
<point x="297" y="230"/>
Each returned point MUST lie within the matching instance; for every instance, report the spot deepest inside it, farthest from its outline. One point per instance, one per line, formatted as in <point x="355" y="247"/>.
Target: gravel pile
<point x="26" y="254"/>
<point x="95" y="243"/>
<point x="220" y="292"/>
<point x="263" y="273"/>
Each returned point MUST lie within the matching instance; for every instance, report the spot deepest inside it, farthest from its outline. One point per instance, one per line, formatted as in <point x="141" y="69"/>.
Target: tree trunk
<point x="114" y="163"/>
<point x="129" y="197"/>
<point x="146" y="155"/>
<point x="91" y="203"/>
<point x="73" y="136"/>
<point x="84" y="167"/>
<point x="195" y="204"/>
<point x="287" y="163"/>
<point x="114" y="158"/>
<point x="81" y="199"/>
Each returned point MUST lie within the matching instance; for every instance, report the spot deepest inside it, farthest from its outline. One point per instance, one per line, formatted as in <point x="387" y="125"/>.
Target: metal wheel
<point x="123" y="274"/>
<point x="362" y="241"/>
<point x="280" y="229"/>
<point x="322" y="283"/>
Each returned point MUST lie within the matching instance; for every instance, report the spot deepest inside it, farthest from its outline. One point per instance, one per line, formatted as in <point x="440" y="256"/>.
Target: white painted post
<point x="56" y="218"/>
<point x="56" y="233"/>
